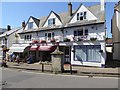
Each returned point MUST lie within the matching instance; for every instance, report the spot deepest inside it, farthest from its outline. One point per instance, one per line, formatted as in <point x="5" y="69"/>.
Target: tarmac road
<point x="25" y="79"/>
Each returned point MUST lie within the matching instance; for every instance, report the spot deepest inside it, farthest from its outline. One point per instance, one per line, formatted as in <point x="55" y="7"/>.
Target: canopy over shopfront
<point x="47" y="48"/>
<point x="34" y="48"/>
<point x="18" y="48"/>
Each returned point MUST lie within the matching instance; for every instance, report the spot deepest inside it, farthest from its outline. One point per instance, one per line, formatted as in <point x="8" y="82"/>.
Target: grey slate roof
<point x="10" y="32"/>
<point x="95" y="9"/>
<point x="2" y="30"/>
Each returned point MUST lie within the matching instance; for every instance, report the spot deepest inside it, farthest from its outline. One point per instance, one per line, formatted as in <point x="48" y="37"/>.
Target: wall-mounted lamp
<point x="101" y="51"/>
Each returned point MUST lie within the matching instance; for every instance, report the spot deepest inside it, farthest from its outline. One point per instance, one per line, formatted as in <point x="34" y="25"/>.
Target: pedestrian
<point x="18" y="59"/>
<point x="4" y="63"/>
<point x="29" y="59"/>
<point x="13" y="57"/>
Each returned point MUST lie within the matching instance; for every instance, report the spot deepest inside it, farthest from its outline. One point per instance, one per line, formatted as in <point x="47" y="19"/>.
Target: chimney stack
<point x="69" y="9"/>
<point x="102" y="3"/>
<point x="8" y="27"/>
<point x="23" y="25"/>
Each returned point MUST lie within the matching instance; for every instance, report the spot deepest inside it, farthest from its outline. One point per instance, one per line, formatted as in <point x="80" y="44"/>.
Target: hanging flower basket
<point x="35" y="41"/>
<point x="53" y="40"/>
<point x="42" y="41"/>
<point x="93" y="39"/>
<point x="66" y="40"/>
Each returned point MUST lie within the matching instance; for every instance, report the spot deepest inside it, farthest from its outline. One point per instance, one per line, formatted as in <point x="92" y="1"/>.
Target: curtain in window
<point x="93" y="54"/>
<point x="88" y="53"/>
<point x="80" y="53"/>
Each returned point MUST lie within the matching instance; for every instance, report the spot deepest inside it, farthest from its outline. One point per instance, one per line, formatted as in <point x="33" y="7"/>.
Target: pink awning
<point x="47" y="48"/>
<point x="34" y="48"/>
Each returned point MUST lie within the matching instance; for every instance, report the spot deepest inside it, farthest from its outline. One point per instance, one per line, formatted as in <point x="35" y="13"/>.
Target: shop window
<point x="89" y="53"/>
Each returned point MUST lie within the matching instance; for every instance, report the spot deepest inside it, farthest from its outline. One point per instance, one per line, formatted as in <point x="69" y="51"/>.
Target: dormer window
<point x="51" y="21"/>
<point x="30" y="25"/>
<point x="81" y="16"/>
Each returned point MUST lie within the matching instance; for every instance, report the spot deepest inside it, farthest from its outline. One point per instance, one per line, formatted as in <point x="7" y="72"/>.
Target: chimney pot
<point x="23" y="24"/>
<point x="8" y="27"/>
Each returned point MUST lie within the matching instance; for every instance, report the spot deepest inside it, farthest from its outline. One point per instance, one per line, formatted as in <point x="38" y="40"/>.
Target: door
<point x="67" y="55"/>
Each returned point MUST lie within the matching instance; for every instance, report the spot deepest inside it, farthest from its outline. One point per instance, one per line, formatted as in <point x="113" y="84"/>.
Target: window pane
<point x="80" y="53"/>
<point x="30" y="37"/>
<point x="53" y="20"/>
<point x="53" y="34"/>
<point x="80" y="33"/>
<point x="77" y="16"/>
<point x="84" y="15"/>
<point x="81" y="18"/>
<point x="86" y="31"/>
<point x="81" y="14"/>
<point x="49" y="22"/>
<point x="30" y="25"/>
<point x="75" y="33"/>
<point x="45" y="34"/>
<point x="27" y="37"/>
<point x="93" y="53"/>
<point x="49" y="34"/>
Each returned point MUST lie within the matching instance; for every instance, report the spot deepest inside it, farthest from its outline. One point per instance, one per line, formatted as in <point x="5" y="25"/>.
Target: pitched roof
<point x="35" y="20"/>
<point x="10" y="32"/>
<point x="49" y="15"/>
<point x="2" y="30"/>
<point x="95" y="9"/>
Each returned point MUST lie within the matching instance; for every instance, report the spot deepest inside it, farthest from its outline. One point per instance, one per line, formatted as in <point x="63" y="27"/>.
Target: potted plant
<point x="52" y="40"/>
<point x="66" y="40"/>
<point x="79" y="39"/>
<point x="42" y="41"/>
<point x="93" y="39"/>
<point x="35" y="41"/>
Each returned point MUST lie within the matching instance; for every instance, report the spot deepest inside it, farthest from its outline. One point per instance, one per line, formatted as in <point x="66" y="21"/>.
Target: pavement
<point x="77" y="70"/>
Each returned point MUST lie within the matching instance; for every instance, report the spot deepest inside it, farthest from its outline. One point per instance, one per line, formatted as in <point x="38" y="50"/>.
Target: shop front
<point x="34" y="53"/>
<point x="45" y="52"/>
<point x="20" y="49"/>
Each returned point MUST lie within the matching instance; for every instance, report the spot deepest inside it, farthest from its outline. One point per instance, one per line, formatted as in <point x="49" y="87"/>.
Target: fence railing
<point x="63" y="39"/>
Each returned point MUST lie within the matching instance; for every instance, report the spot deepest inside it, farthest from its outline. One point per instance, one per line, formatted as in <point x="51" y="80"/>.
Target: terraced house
<point x="116" y="32"/>
<point x="80" y="34"/>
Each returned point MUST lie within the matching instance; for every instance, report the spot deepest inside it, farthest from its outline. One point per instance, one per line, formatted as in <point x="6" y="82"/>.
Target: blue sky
<point x="13" y="13"/>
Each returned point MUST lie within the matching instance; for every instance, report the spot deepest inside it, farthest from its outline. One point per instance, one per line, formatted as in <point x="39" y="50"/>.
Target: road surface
<point x="25" y="79"/>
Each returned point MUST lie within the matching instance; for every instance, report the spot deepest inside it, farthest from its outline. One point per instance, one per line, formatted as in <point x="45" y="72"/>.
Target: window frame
<point x="30" y="25"/>
<point x="81" y="16"/>
<point x="51" y="21"/>
<point x="86" y="48"/>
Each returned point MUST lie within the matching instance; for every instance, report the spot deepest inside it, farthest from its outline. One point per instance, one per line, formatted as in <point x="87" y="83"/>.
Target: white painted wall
<point x="97" y="31"/>
<point x="34" y="24"/>
<point x="116" y="34"/>
<point x="57" y="21"/>
<point x="89" y="15"/>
